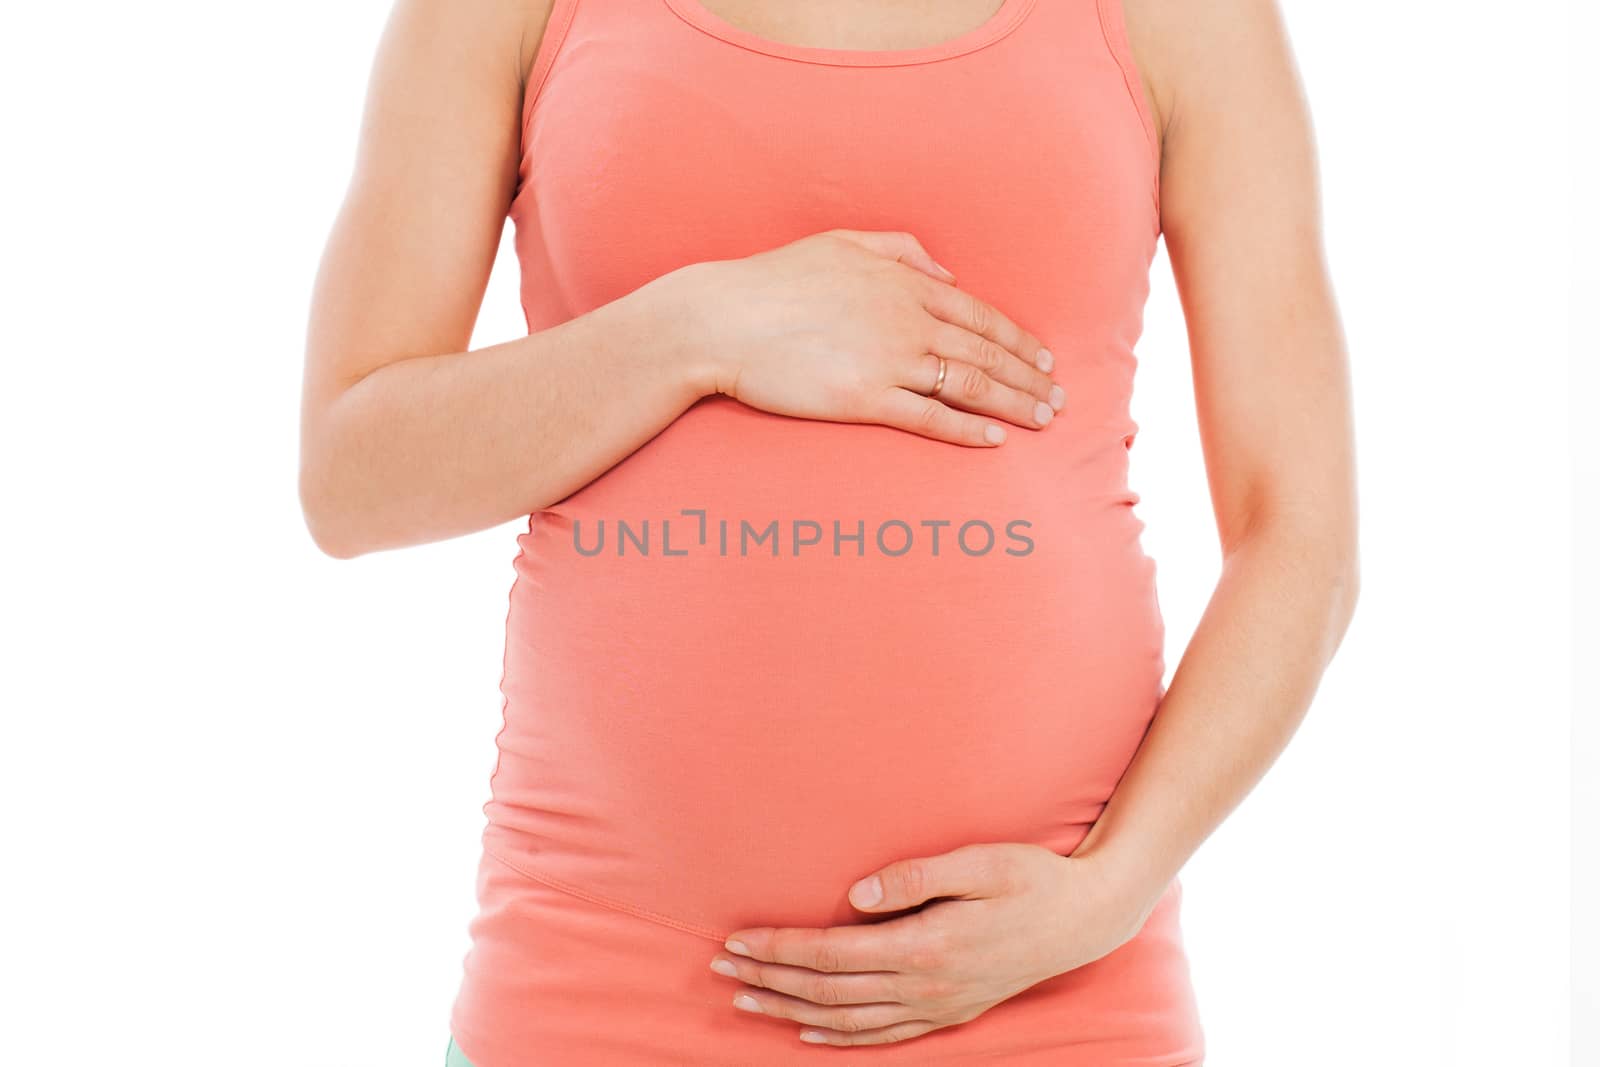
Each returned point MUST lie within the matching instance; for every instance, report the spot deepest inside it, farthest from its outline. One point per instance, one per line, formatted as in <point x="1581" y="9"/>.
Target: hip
<point x="553" y="978"/>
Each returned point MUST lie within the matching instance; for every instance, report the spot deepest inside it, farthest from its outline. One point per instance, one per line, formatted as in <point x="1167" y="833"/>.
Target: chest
<point x="666" y="133"/>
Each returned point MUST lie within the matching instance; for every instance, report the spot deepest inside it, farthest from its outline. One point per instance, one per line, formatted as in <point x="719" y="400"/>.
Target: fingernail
<point x="1058" y="397"/>
<point x="942" y="267"/>
<point x="724" y="967"/>
<point x="812" y="1036"/>
<point x="736" y="947"/>
<point x="745" y="1002"/>
<point x="1045" y="360"/>
<point x="867" y="893"/>
<point x="993" y="434"/>
<point x="1042" y="413"/>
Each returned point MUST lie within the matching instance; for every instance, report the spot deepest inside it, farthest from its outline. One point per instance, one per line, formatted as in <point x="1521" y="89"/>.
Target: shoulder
<point x="1189" y="50"/>
<point x="467" y="42"/>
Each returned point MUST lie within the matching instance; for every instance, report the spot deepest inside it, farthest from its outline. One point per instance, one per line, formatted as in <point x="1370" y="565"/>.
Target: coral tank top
<point x="762" y="656"/>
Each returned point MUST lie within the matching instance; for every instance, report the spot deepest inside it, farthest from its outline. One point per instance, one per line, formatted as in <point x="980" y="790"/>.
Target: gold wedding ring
<point x="938" y="385"/>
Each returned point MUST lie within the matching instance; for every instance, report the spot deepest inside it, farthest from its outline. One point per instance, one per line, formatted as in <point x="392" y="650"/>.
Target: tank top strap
<point x="556" y="26"/>
<point x="1089" y="38"/>
<point x="1114" y="30"/>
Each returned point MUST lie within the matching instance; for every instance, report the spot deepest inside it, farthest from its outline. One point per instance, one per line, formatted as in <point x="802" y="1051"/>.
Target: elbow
<point x="330" y="527"/>
<point x="1347" y="585"/>
<point x="1329" y="576"/>
<point x="1321" y="552"/>
<point x="326" y="532"/>
<point x="328" y="506"/>
<point x="329" y="544"/>
<point x="1334" y="564"/>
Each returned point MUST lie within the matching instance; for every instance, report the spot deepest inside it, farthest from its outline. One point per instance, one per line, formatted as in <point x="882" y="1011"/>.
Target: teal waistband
<point x="453" y="1056"/>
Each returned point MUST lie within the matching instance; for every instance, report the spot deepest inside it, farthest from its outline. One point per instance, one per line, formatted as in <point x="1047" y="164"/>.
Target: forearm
<point x="1279" y="611"/>
<point x="436" y="446"/>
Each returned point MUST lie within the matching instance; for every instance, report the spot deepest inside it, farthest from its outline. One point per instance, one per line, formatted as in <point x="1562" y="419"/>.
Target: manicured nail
<point x="1042" y="413"/>
<point x="1058" y="397"/>
<point x="724" y="967"/>
<point x="736" y="947"/>
<point x="993" y="434"/>
<point x="745" y="1002"/>
<point x="813" y="1037"/>
<point x="1044" y="360"/>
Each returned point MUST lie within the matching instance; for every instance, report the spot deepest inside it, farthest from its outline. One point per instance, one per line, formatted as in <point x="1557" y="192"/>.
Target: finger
<point x="818" y="987"/>
<point x="883" y="1036"/>
<point x="900" y="246"/>
<point x="971" y="871"/>
<point x="886" y="946"/>
<point x="970" y="313"/>
<point x="971" y="388"/>
<point x="1001" y="364"/>
<point x="919" y="414"/>
<point x="850" y="1018"/>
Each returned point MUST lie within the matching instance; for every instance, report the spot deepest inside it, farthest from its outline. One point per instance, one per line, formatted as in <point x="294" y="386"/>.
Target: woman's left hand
<point x="1017" y="914"/>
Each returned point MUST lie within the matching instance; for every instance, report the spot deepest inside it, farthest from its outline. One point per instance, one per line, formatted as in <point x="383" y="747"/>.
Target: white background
<point x="242" y="782"/>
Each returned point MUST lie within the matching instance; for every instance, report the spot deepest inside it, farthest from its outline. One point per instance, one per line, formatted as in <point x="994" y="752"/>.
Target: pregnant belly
<point x="763" y="656"/>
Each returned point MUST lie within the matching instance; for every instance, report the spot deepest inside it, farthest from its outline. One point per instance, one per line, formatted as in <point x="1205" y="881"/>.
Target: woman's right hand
<point x="847" y="326"/>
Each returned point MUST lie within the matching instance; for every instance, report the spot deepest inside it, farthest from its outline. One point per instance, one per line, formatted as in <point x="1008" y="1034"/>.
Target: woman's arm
<point x="1242" y="218"/>
<point x="406" y="437"/>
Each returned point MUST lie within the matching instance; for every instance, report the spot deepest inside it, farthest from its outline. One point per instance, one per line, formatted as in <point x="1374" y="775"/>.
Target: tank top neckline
<point x="1009" y="15"/>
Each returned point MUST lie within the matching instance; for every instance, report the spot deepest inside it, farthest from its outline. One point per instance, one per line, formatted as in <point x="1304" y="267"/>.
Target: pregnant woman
<point x="834" y="710"/>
